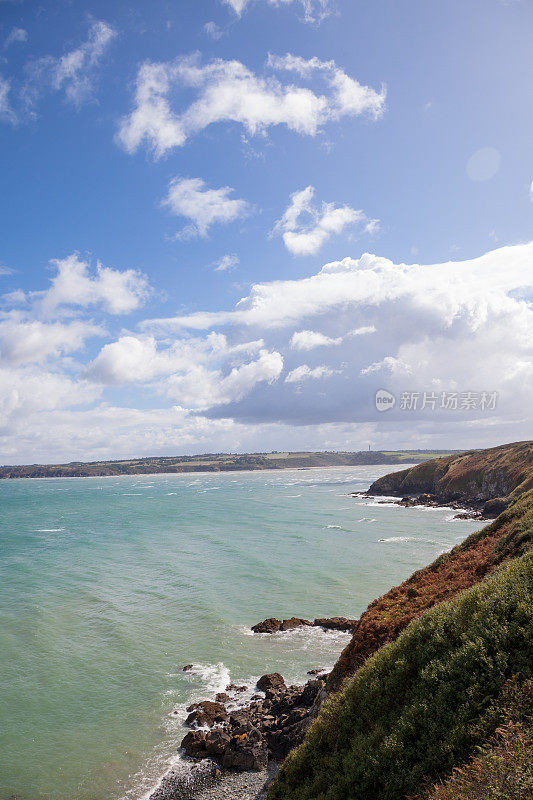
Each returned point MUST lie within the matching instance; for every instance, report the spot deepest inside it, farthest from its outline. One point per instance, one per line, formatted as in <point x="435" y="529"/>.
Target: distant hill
<point x="217" y="462"/>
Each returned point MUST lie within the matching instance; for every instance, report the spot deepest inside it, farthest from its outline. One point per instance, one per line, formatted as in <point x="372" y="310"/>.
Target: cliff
<point x="510" y="535"/>
<point x="471" y="478"/>
<point x="423" y="703"/>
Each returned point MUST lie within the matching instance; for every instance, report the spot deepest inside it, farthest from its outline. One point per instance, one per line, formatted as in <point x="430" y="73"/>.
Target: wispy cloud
<point x="15" y="35"/>
<point x="227" y="263"/>
<point x="73" y="72"/>
<point x="314" y="11"/>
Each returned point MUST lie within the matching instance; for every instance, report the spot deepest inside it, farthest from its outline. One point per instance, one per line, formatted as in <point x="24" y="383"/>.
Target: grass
<point x="421" y="704"/>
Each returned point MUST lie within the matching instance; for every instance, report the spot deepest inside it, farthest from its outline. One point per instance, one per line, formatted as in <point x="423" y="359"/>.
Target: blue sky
<point x="162" y="161"/>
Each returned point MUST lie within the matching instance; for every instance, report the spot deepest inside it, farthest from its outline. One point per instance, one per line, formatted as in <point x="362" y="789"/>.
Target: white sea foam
<point x="48" y="530"/>
<point x="398" y="539"/>
<point x="293" y="495"/>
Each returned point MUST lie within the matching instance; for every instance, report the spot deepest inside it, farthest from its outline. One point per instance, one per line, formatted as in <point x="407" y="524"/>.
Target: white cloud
<point x="27" y="390"/>
<point x="313" y="10"/>
<point x="117" y="291"/>
<point x="227" y="91"/>
<point x="25" y="341"/>
<point x="364" y="323"/>
<point x="190" y="198"/>
<point x="15" y="35"/>
<point x="443" y="291"/>
<point x="304" y="373"/>
<point x="308" y="340"/>
<point x="200" y="388"/>
<point x="212" y="30"/>
<point x="306" y="228"/>
<point x="6" y="111"/>
<point x="227" y="263"/>
<point x="74" y="71"/>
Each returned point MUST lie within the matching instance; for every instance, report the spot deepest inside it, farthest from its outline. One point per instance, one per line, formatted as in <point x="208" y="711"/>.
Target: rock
<point x="222" y="697"/>
<point x="315" y="671"/>
<point x="240" y="718"/>
<point x="246" y="752"/>
<point x="271" y="625"/>
<point x="187" y="667"/>
<point x="336" y="624"/>
<point x="207" y="714"/>
<point x="467" y="515"/>
<point x="271" y="681"/>
<point x="232" y="687"/>
<point x="294" y="622"/>
<point x="194" y="744"/>
<point x="494" y="507"/>
<point x="216" y="742"/>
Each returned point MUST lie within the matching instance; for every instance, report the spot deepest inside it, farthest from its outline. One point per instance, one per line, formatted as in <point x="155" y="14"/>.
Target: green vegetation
<point x="503" y="766"/>
<point x="214" y="462"/>
<point x="422" y="703"/>
<point x="478" y="475"/>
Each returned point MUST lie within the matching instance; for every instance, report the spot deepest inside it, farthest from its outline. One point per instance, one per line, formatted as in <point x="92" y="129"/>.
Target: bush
<point x="421" y="704"/>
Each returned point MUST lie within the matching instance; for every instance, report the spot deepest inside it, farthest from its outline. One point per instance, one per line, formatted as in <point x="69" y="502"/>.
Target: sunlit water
<point x="108" y="586"/>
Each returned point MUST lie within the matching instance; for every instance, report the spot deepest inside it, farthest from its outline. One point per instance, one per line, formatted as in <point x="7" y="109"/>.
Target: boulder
<point x="271" y="625"/>
<point x="206" y="713"/>
<point x="216" y="742"/>
<point x="187" y="667"/>
<point x="272" y="681"/>
<point x="495" y="507"/>
<point x="246" y="752"/>
<point x="316" y="671"/>
<point x="194" y="744"/>
<point x="336" y="624"/>
<point x="222" y="697"/>
<point x="294" y="622"/>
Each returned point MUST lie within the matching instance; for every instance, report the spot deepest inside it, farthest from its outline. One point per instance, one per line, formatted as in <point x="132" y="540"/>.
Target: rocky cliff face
<point x="474" y="477"/>
<point x="510" y="535"/>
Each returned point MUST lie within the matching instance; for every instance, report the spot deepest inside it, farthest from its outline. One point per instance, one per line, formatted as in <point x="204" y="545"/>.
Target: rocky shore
<point x="235" y="750"/>
<point x="466" y="508"/>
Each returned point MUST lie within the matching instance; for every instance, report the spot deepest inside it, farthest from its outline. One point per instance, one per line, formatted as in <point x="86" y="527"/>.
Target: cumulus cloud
<point x="24" y="340"/>
<point x="308" y="340"/>
<point x="304" y="373"/>
<point x="313" y="10"/>
<point x="190" y="198"/>
<point x="116" y="291"/>
<point x="456" y="326"/>
<point x="197" y="373"/>
<point x="227" y="91"/>
<point x="200" y="388"/>
<point x="74" y="71"/>
<point x="305" y="228"/>
<point x="43" y="325"/>
<point x="15" y="35"/>
<point x="363" y="323"/>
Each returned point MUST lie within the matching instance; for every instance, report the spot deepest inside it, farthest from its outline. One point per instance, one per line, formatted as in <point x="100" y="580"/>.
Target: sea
<point x="110" y="586"/>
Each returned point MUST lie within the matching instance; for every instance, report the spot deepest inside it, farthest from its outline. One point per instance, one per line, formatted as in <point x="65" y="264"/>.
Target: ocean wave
<point x="48" y="530"/>
<point x="398" y="539"/>
<point x="367" y="519"/>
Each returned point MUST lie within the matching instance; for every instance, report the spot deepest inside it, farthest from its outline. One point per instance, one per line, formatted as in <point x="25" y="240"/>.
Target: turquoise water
<point x="108" y="586"/>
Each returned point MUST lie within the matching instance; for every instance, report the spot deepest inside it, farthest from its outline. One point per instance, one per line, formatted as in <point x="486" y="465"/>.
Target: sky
<point x="255" y="225"/>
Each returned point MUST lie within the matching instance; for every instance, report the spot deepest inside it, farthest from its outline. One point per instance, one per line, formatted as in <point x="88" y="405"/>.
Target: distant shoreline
<point x="218" y="464"/>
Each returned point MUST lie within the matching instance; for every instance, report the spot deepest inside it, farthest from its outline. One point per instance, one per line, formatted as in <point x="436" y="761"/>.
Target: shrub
<point x="421" y="704"/>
